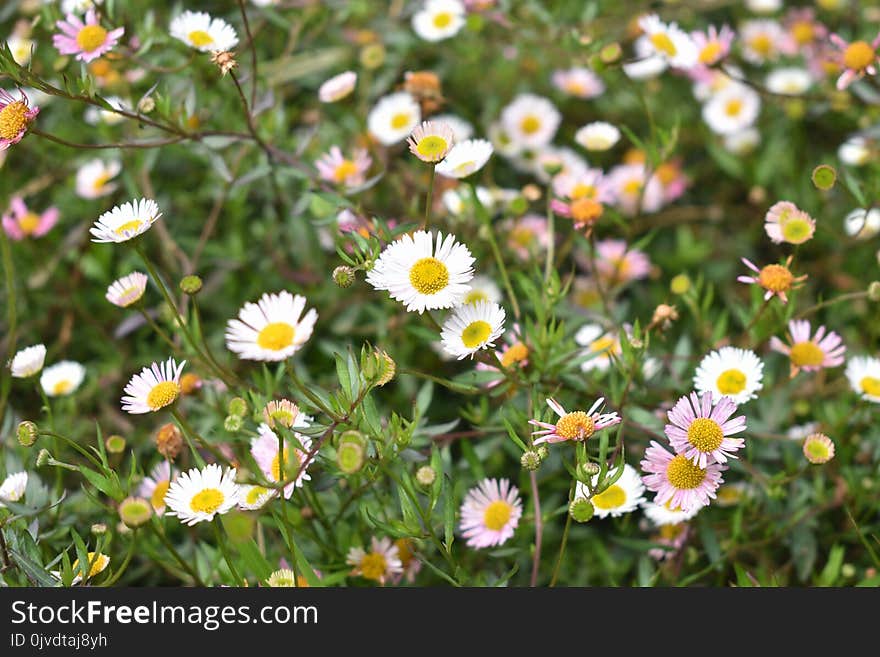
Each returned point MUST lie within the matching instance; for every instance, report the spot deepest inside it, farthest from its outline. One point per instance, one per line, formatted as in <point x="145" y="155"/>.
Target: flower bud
<point x="581" y="509"/>
<point x="190" y="285"/>
<point x="588" y="470"/>
<point x="543" y="451"/>
<point x="824" y="177"/>
<point x="874" y="291"/>
<point x="98" y="529"/>
<point x="283" y="412"/>
<point x="425" y="476"/>
<point x="115" y="444"/>
<point x="387" y="368"/>
<point x="237" y="406"/>
<point x="169" y="441"/>
<point x="350" y="457"/>
<point x="27" y="433"/>
<point x="232" y="423"/>
<point x="680" y="284"/>
<point x="43" y="458"/>
<point x="344" y="276"/>
<point x="530" y="460"/>
<point x="135" y="511"/>
<point x="610" y="53"/>
<point x="146" y="105"/>
<point x="189" y="383"/>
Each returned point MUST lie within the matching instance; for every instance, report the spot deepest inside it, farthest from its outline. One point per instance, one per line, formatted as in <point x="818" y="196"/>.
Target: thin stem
<point x="188" y="434"/>
<point x="11" y="318"/>
<point x="429" y="197"/>
<point x="496" y="252"/>
<point x="253" y="48"/>
<point x="179" y="559"/>
<point x="156" y="143"/>
<point x="850" y="296"/>
<point x="162" y="334"/>
<point x="125" y="562"/>
<point x="219" y="531"/>
<point x="551" y="243"/>
<point x="539" y="528"/>
<point x="561" y="547"/>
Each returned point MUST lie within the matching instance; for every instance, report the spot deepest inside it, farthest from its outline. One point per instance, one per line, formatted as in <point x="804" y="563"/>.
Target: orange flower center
<point x="775" y="278"/>
<point x="91" y="37"/>
<point x="858" y="55"/>
<point x="13" y="119"/>
<point x="575" y="426"/>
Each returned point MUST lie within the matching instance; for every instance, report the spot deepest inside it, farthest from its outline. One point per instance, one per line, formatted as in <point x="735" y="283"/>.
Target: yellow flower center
<point x="100" y="181"/>
<point x="582" y="190"/>
<point x="530" y="124"/>
<point x="671" y="532"/>
<point x="429" y="276"/>
<point x="870" y="386"/>
<point x="442" y="19"/>
<point x="475" y="295"/>
<point x="496" y="515"/>
<point x="129" y="296"/>
<point x="731" y="382"/>
<point x="373" y="566"/>
<point x="200" y="38"/>
<point x="802" y="31"/>
<point x="662" y="42"/>
<point x="254" y="494"/>
<point x="432" y="146"/>
<point x="611" y="498"/>
<point x="276" y="336"/>
<point x="91" y="37"/>
<point x="817" y="451"/>
<point x="207" y="500"/>
<point x="522" y="236"/>
<point x="13" y="119"/>
<point x="858" y="55"/>
<point x="128" y="226"/>
<point x="400" y="121"/>
<point x="291" y="458"/>
<point x="733" y="107"/>
<point x="62" y="387"/>
<point x="603" y="344"/>
<point x="729" y="495"/>
<point x="514" y="354"/>
<point x="404" y="551"/>
<point x="29" y="222"/>
<point x="775" y="278"/>
<point x="667" y="173"/>
<point x="575" y="88"/>
<point x="575" y="426"/>
<point x="797" y="230"/>
<point x="710" y="53"/>
<point x="705" y="434"/>
<point x="586" y="210"/>
<point x="98" y="563"/>
<point x="683" y="474"/>
<point x="632" y="187"/>
<point x="807" y="354"/>
<point x="762" y="44"/>
<point x="157" y="499"/>
<point x="162" y="394"/>
<point x="345" y="169"/>
<point x="476" y="333"/>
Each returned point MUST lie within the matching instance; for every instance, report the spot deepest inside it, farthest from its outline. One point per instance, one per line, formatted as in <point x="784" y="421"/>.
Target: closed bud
<point x="98" y="529"/>
<point x="237" y="406"/>
<point x="874" y="291"/>
<point x="232" y="423"/>
<point x="426" y="476"/>
<point x="344" y="276"/>
<point x="530" y="460"/>
<point x="610" y="53"/>
<point x="146" y="105"/>
<point x="680" y="284"/>
<point x="543" y="451"/>
<point x="115" y="444"/>
<point x="43" y="458"/>
<point x="387" y="368"/>
<point x="27" y="433"/>
<point x="373" y="56"/>
<point x="190" y="285"/>
<point x="135" y="511"/>
<point x="518" y="205"/>
<point x="587" y="470"/>
<point x="350" y="457"/>
<point x="169" y="441"/>
<point x="581" y="509"/>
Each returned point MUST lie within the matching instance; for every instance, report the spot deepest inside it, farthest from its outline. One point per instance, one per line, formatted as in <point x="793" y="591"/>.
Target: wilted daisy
<point x="93" y="178"/>
<point x="87" y="40"/>
<point x="530" y="121"/>
<point x="431" y="141"/>
<point x="789" y="81"/>
<point x="730" y="372"/>
<point x="662" y="514"/>
<point x="125" y="221"/>
<point x="198" y="30"/>
<point x="732" y="110"/>
<point x="98" y="563"/>
<point x="634" y="191"/>
<point x="702" y="432"/>
<point x="28" y="361"/>
<point x="127" y="290"/>
<point x="154" y="388"/>
<point x="858" y="58"/>
<point x="252" y="498"/>
<point x="764" y="40"/>
<point x="13" y="487"/>
<point x="623" y="496"/>
<point x="818" y="448"/>
<point x="617" y="263"/>
<point x="465" y="158"/>
<point x="380" y="563"/>
<point x="576" y="425"/>
<point x="155" y="486"/>
<point x="394" y="118"/>
<point x="775" y="279"/>
<point x="785" y="222"/>
<point x="676" y="479"/>
<point x="578" y="82"/>
<point x="601" y="346"/>
<point x="22" y="222"/>
<point x="490" y="513"/>
<point x="863" y="373"/>
<point x="198" y="495"/>
<point x="337" y="87"/>
<point x="336" y="168"/>
<point x="597" y="136"/>
<point x="292" y="461"/>
<point x="862" y="223"/>
<point x="62" y="378"/>
<point x="471" y="327"/>
<point x="439" y="19"/>
<point x="15" y="116"/>
<point x="273" y="329"/>
<point x="809" y="353"/>
<point x="667" y="40"/>
<point x="421" y="275"/>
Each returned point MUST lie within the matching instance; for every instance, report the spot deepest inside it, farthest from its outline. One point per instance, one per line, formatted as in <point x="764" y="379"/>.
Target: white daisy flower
<point x="337" y="87"/>
<point x="422" y="276"/>
<point x="465" y="158"/>
<point x="648" y="64"/>
<point x="863" y="373"/>
<point x="623" y="496"/>
<point x="28" y="361"/>
<point x="601" y="345"/>
<point x="661" y="514"/>
<point x="732" y="110"/>
<point x="579" y="82"/>
<point x="273" y="329"/>
<point x="156" y="387"/>
<point x="461" y="129"/>
<point x="762" y="40"/>
<point x="380" y="563"/>
<point x="198" y="495"/>
<point x="21" y="49"/>
<point x="252" y="498"/>
<point x="862" y="223"/>
<point x="667" y="40"/>
<point x="394" y="118"/>
<point x="62" y="378"/>
<point x="198" y="30"/>
<point x="93" y="178"/>
<point x="127" y="290"/>
<point x="789" y="81"/>
<point x="125" y="221"/>
<point x="471" y="327"/>
<point x="597" y="136"/>
<point x="855" y="152"/>
<point x="98" y="563"/>
<point x="483" y="288"/>
<point x="439" y="19"/>
<point x="13" y="487"/>
<point x="155" y="486"/>
<point x="293" y="462"/>
<point x="799" y="432"/>
<point x="764" y="6"/>
<point x="530" y="121"/>
<point x="456" y="200"/>
<point x="431" y="141"/>
<point x="730" y="372"/>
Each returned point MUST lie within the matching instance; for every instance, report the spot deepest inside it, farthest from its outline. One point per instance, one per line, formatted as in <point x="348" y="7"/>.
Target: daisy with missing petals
<point x="490" y="513"/>
<point x="786" y="223"/>
<point x="22" y="222"/>
<point x="863" y="374"/>
<point x="198" y="30"/>
<point x="730" y="372"/>
<point x="394" y="118"/>
<point x="776" y="279"/>
<point x="623" y="496"/>
<point x="155" y="486"/>
<point x="667" y="40"/>
<point x="336" y="168"/>
<point x="421" y="275"/>
<point x="15" y="116"/>
<point x="28" y="361"/>
<point x="530" y="121"/>
<point x="465" y="158"/>
<point x="156" y="387"/>
<point x="810" y="354"/>
<point x="338" y="87"/>
<point x="431" y="141"/>
<point x="291" y="464"/>
<point x="125" y="221"/>
<point x="677" y="481"/>
<point x="87" y="40"/>
<point x="439" y="19"/>
<point x="198" y="495"/>
<point x="702" y="432"/>
<point x="127" y="290"/>
<point x="13" y="487"/>
<point x="576" y="425"/>
<point x="93" y="178"/>
<point x="471" y="327"/>
<point x="273" y="329"/>
<point x="579" y="82"/>
<point x="380" y="563"/>
<point x="858" y="58"/>
<point x="62" y="378"/>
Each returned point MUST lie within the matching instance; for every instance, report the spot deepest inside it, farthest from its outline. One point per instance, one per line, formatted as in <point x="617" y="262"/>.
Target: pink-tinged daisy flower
<point x="633" y="190"/>
<point x="490" y="513"/>
<point x="670" y="538"/>
<point x="576" y="425"/>
<point x="336" y="168"/>
<point x="127" y="290"/>
<point x="676" y="479"/>
<point x="858" y="58"/>
<point x="22" y="222"/>
<point x="803" y="28"/>
<point x="583" y="195"/>
<point x="337" y="87"/>
<point x="156" y="486"/>
<point x="616" y="263"/>
<point x="673" y="180"/>
<point x="288" y="465"/>
<point x="156" y="387"/>
<point x="701" y="432"/>
<point x="809" y="353"/>
<point x="15" y="116"/>
<point x="431" y="141"/>
<point x="785" y="222"/>
<point x="578" y="82"/>
<point x="818" y="448"/>
<point x="527" y="236"/>
<point x="713" y="45"/>
<point x="87" y="40"/>
<point x="379" y="564"/>
<point x="775" y="279"/>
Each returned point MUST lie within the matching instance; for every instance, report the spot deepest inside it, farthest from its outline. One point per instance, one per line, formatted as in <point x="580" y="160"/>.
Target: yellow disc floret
<point x="429" y="276"/>
<point x="683" y="474"/>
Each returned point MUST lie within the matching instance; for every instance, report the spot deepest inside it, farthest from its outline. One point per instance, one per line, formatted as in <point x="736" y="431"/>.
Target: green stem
<point x="561" y="547"/>
<point x="11" y="318"/>
<point x="125" y="562"/>
<point x="496" y="252"/>
<point x="162" y="334"/>
<point x="222" y="538"/>
<point x="188" y="434"/>
<point x="551" y="244"/>
<point x="174" y="553"/>
<point x="429" y="197"/>
<point x="850" y="296"/>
